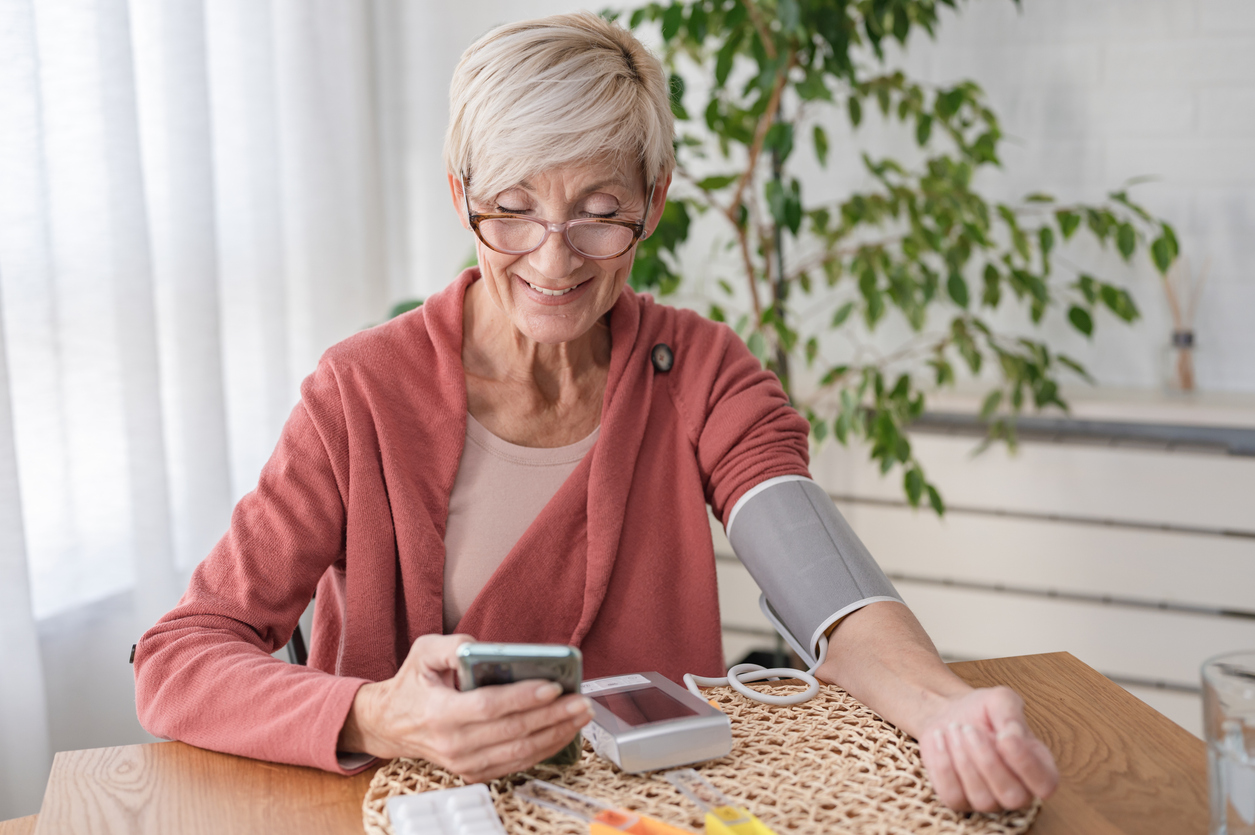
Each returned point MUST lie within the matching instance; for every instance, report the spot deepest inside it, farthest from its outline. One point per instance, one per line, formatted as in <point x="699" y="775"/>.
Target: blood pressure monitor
<point x="644" y="722"/>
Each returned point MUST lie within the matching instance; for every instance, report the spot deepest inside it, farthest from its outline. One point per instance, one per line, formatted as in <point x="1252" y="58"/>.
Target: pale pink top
<point x="499" y="491"/>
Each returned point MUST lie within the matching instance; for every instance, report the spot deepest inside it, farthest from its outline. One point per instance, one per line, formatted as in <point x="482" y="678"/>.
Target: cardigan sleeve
<point x="740" y="420"/>
<point x="204" y="673"/>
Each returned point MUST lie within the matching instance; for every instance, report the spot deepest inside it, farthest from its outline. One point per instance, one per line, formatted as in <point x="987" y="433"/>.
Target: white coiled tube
<point x="740" y="675"/>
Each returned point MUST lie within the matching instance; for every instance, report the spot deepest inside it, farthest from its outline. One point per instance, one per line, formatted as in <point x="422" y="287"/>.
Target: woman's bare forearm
<point x="881" y="656"/>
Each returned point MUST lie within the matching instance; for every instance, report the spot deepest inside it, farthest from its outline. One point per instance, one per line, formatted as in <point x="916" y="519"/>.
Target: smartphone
<point x="480" y="665"/>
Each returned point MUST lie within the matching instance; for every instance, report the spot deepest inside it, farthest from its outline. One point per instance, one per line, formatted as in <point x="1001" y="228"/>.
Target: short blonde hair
<point x="560" y="90"/>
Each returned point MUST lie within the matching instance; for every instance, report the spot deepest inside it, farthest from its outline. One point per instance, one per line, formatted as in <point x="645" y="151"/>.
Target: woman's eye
<point x="508" y="211"/>
<point x="606" y="216"/>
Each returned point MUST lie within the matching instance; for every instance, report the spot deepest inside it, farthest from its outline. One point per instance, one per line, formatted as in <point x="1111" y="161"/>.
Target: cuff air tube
<point x="808" y="562"/>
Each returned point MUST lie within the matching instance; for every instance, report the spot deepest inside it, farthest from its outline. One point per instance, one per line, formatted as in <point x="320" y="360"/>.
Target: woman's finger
<point x="1029" y="758"/>
<point x="494" y="701"/>
<point x="941" y="771"/>
<point x="514" y="755"/>
<point x="525" y="723"/>
<point x="1006" y="787"/>
<point x="974" y="786"/>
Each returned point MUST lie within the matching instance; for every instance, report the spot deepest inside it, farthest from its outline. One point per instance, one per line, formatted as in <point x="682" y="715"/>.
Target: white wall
<point x="1091" y="93"/>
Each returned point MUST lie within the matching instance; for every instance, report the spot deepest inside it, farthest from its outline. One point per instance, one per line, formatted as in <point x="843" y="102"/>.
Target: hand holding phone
<point x="482" y="664"/>
<point x="420" y="712"/>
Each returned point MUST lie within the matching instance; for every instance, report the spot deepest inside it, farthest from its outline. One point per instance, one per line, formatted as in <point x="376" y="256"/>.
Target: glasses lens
<point x="600" y="239"/>
<point x="511" y="234"/>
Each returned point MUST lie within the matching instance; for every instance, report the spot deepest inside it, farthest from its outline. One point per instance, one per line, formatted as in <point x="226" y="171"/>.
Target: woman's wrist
<point x="358" y="729"/>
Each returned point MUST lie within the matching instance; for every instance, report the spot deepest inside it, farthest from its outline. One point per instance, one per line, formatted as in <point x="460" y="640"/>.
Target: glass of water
<point x="1229" y="725"/>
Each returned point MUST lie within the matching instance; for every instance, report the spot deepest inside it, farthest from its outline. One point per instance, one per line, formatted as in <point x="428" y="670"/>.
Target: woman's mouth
<point x="552" y="292"/>
<point x="545" y="295"/>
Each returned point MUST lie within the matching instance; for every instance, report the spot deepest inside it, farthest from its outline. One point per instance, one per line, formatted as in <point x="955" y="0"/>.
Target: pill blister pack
<point x="466" y="810"/>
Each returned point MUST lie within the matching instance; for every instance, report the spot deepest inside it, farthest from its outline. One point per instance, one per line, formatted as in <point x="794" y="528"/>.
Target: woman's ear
<point x="656" y="206"/>
<point x="459" y="205"/>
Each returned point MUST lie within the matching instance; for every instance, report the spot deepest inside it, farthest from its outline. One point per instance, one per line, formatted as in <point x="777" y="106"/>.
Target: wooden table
<point x="1126" y="770"/>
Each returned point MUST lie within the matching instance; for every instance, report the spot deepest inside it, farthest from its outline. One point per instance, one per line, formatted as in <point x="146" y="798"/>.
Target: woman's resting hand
<point x="479" y="735"/>
<point x="981" y="755"/>
<point x="881" y="655"/>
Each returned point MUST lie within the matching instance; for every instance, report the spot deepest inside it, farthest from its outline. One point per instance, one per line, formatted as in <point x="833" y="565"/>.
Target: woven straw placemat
<point x="826" y="767"/>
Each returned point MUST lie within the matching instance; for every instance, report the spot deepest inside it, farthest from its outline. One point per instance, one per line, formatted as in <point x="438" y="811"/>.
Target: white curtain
<point x="194" y="203"/>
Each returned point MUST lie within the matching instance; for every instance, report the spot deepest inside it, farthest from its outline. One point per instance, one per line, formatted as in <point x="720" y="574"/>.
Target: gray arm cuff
<point x="808" y="562"/>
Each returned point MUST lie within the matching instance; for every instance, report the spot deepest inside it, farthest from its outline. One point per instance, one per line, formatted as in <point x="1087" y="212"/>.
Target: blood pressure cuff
<point x="808" y="562"/>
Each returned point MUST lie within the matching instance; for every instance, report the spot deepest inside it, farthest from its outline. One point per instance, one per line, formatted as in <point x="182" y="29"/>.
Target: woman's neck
<point x="527" y="392"/>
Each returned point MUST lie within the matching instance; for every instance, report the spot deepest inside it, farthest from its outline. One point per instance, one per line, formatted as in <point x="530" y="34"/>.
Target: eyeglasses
<point x="597" y="238"/>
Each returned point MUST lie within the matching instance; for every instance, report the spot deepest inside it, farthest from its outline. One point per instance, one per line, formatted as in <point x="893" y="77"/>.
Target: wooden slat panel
<point x="1118" y="641"/>
<point x="1077" y="558"/>
<point x="1149" y="487"/>
<point x="738" y="598"/>
<point x="1143" y="644"/>
<point x="736" y="645"/>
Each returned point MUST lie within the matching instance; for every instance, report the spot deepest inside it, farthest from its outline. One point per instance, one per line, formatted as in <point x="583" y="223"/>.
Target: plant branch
<point x="764" y="34"/>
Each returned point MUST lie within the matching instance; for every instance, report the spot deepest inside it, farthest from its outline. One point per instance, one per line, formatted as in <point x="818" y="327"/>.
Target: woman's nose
<point x="555" y="259"/>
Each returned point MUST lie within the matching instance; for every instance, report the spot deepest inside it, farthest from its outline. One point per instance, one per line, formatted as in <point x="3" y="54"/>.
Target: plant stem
<point x="779" y="285"/>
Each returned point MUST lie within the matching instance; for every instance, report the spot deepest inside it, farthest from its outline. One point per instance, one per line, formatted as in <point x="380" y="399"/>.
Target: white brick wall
<point x="1091" y="93"/>
<point x="1095" y="92"/>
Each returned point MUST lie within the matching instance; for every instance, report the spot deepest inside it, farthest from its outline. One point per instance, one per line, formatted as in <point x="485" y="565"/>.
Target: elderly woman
<point x="529" y="456"/>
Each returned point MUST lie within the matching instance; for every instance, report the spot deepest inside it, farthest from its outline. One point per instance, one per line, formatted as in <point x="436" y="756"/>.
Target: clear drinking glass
<point x="1229" y="726"/>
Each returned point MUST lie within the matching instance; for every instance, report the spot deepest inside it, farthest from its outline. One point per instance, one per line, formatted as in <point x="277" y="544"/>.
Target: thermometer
<point x="723" y="816"/>
<point x="601" y="818"/>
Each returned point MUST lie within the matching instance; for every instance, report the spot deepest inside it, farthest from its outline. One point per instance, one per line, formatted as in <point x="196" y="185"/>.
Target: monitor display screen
<point x="640" y="707"/>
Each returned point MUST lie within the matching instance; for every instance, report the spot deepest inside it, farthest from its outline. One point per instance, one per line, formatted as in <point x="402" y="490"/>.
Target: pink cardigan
<point x="354" y="502"/>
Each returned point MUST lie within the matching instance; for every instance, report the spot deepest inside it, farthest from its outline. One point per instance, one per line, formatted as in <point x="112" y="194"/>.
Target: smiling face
<point x="553" y="294"/>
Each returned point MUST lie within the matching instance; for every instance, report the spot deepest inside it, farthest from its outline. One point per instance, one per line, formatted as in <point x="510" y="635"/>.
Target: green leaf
<point x="1046" y="239"/>
<point x="779" y="139"/>
<point x="1164" y="249"/>
<point x="793" y="208"/>
<point x="1126" y="240"/>
<point x="776" y="200"/>
<point x="1039" y="197"/>
<point x="1068" y="221"/>
<point x="676" y="83"/>
<point x="833" y="374"/>
<point x="993" y="287"/>
<point x="1075" y="366"/>
<point x="1081" y="320"/>
<point x="1119" y="302"/>
<point x="949" y="102"/>
<point x="843" y="313"/>
<point x="821" y="145"/>
<point x="913" y="483"/>
<point x="812" y="87"/>
<point x="1088" y="285"/>
<point x="957" y="288"/>
<point x="717" y="182"/>
<point x="990" y="405"/>
<point x="923" y="129"/>
<point x="757" y="345"/>
<point x="855" y="108"/>
<point x="671" y="20"/>
<point x="723" y="61"/>
<point x="934" y="499"/>
<point x="1100" y="223"/>
<point x="716" y="314"/>
<point x="789" y="14"/>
